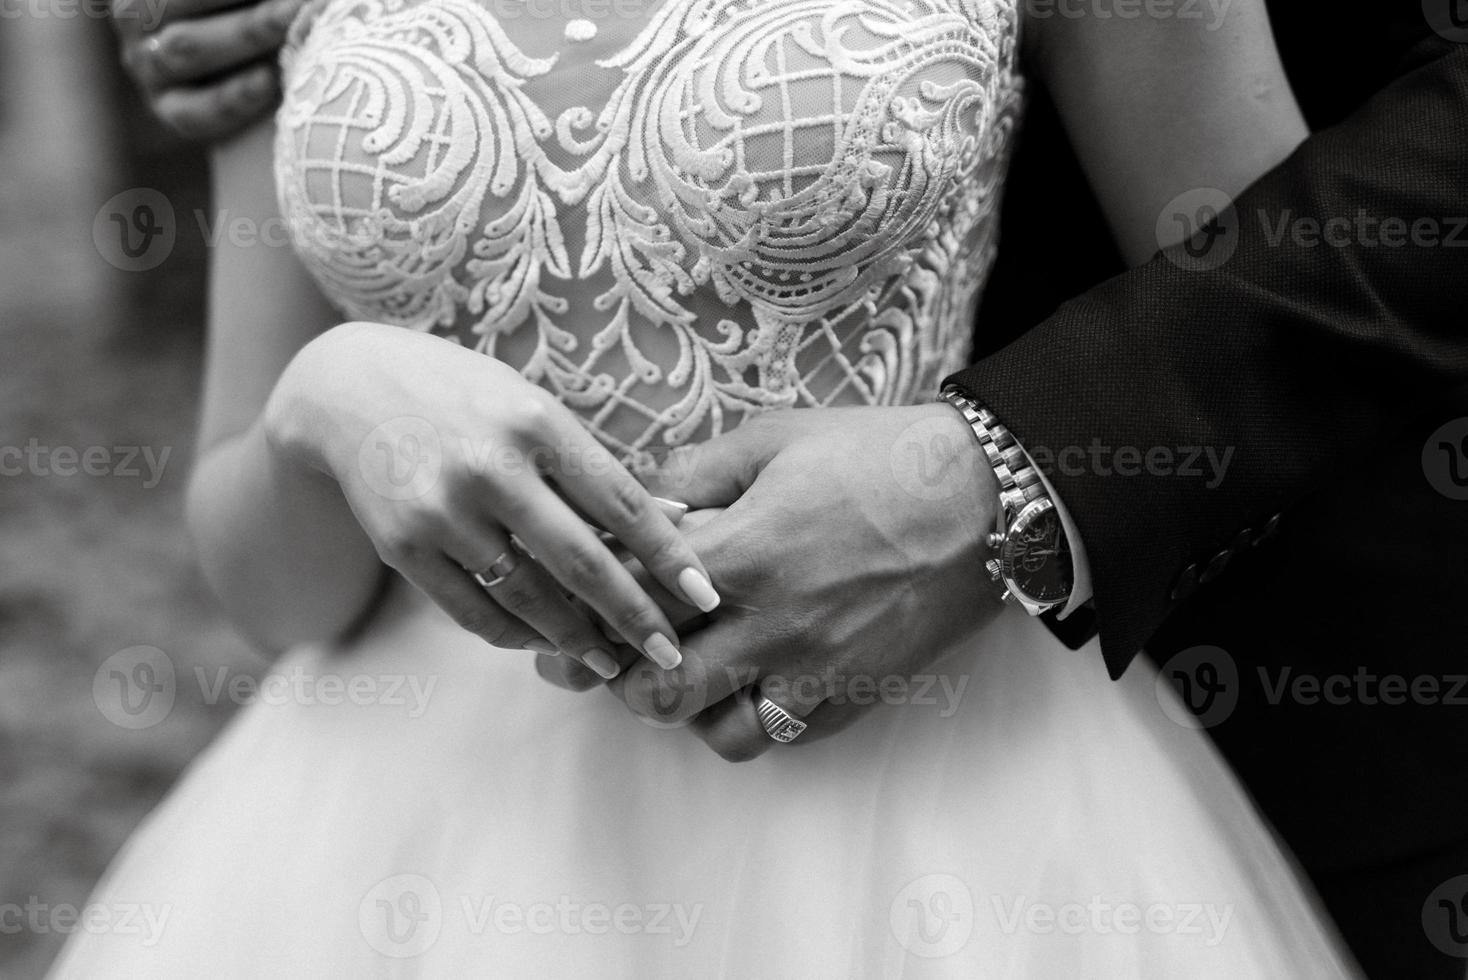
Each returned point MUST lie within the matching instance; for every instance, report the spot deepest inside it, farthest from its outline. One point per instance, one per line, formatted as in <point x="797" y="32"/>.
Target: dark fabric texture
<point x="1324" y="370"/>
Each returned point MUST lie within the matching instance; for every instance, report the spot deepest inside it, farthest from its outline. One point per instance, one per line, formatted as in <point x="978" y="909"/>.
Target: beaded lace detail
<point x="761" y="204"/>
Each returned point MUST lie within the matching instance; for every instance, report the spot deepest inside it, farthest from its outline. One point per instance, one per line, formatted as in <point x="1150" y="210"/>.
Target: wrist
<point x="1032" y="551"/>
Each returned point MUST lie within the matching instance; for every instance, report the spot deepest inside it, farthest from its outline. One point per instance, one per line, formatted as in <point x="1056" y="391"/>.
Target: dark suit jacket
<point x="1323" y="369"/>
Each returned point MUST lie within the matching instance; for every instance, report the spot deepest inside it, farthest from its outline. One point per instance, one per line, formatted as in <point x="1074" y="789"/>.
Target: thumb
<point x="715" y="473"/>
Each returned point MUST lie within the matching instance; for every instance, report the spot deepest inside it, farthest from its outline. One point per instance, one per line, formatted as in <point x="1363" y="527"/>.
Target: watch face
<point x="1036" y="561"/>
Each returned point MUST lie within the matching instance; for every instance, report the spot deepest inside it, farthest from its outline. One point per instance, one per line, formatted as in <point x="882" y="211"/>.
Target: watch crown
<point x="1007" y="598"/>
<point x="995" y="570"/>
<point x="995" y="540"/>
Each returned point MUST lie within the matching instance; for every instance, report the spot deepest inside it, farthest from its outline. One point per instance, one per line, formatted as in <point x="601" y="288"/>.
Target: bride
<point x="535" y="251"/>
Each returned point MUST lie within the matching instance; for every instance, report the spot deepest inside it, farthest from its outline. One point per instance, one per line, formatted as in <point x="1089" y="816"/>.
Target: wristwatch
<point x="1032" y="553"/>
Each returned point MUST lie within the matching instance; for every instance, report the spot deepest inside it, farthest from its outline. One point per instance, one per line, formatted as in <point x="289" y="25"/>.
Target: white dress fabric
<point x="672" y="219"/>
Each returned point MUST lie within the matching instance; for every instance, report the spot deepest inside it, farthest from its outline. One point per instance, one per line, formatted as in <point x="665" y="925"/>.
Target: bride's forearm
<point x="278" y="543"/>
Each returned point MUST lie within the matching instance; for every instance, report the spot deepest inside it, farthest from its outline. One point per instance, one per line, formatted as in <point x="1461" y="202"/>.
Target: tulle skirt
<point x="420" y="805"/>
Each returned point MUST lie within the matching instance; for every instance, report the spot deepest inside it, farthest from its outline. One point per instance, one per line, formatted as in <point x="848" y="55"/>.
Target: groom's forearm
<point x="1270" y="365"/>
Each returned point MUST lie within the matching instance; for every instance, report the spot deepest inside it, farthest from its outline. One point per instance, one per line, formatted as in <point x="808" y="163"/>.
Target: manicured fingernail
<point x="603" y="663"/>
<point x="662" y="652"/>
<point x="673" y="510"/>
<point x="696" y="586"/>
<point x="543" y="647"/>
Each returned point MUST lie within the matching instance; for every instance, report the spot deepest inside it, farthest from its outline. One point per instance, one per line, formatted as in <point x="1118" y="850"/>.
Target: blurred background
<point x="99" y="365"/>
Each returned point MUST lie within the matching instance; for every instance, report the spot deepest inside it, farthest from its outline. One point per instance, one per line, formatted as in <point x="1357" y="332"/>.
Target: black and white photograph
<point x="751" y="489"/>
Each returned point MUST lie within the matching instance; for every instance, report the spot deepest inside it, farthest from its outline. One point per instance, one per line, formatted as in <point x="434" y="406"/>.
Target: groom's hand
<point x="205" y="67"/>
<point x="850" y="558"/>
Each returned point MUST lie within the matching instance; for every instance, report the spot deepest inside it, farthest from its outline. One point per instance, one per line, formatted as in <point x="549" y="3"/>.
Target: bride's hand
<point x="444" y="453"/>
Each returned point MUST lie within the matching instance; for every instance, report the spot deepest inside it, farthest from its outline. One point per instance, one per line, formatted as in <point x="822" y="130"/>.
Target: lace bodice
<point x="669" y="219"/>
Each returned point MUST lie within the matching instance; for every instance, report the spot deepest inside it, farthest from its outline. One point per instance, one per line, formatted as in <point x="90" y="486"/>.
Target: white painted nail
<point x="661" y="651"/>
<point x="699" y="589"/>
<point x="603" y="663"/>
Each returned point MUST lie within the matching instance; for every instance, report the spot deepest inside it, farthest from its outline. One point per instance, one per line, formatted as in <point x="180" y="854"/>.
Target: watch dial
<point x="1039" y="559"/>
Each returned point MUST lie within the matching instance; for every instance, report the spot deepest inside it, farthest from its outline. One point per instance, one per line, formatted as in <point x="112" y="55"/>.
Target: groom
<point x="1258" y="443"/>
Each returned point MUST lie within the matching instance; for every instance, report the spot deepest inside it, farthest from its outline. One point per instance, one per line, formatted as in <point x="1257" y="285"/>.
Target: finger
<point x="202" y="48"/>
<point x="716" y="664"/>
<point x="523" y="589"/>
<point x="724" y="540"/>
<point x="733" y="728"/>
<point x="567" y="674"/>
<point x="214" y="111"/>
<point x="679" y="612"/>
<point x="613" y="500"/>
<point x="579" y="560"/>
<point x="443" y="581"/>
<point x="830" y="718"/>
<point x="149" y="15"/>
<point x="672" y="510"/>
<point x="717" y="472"/>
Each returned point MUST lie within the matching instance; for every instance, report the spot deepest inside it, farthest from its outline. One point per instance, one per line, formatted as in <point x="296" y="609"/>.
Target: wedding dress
<point x="673" y="219"/>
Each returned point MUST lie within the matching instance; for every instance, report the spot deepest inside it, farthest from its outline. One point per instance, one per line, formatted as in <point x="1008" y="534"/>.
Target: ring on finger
<point x="778" y="723"/>
<point x="499" y="570"/>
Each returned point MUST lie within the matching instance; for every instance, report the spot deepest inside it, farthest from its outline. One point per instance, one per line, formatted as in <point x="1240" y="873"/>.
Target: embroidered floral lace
<point x="669" y="218"/>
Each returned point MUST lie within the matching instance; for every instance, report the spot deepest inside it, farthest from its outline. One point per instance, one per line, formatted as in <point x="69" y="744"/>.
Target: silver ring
<point x="778" y="723"/>
<point x="504" y="566"/>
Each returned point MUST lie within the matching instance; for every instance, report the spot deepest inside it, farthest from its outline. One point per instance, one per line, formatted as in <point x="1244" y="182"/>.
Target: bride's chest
<point x="757" y="115"/>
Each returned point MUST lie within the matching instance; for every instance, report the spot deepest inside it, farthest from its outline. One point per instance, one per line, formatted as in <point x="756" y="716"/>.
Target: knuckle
<point x="263" y="28"/>
<point x="528" y="418"/>
<point x="637" y="623"/>
<point x="581" y="567"/>
<point x="671" y="551"/>
<point x="628" y="502"/>
<point x="423" y="518"/>
<point x="517" y="595"/>
<point x="178" y="52"/>
<point x="398" y="550"/>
